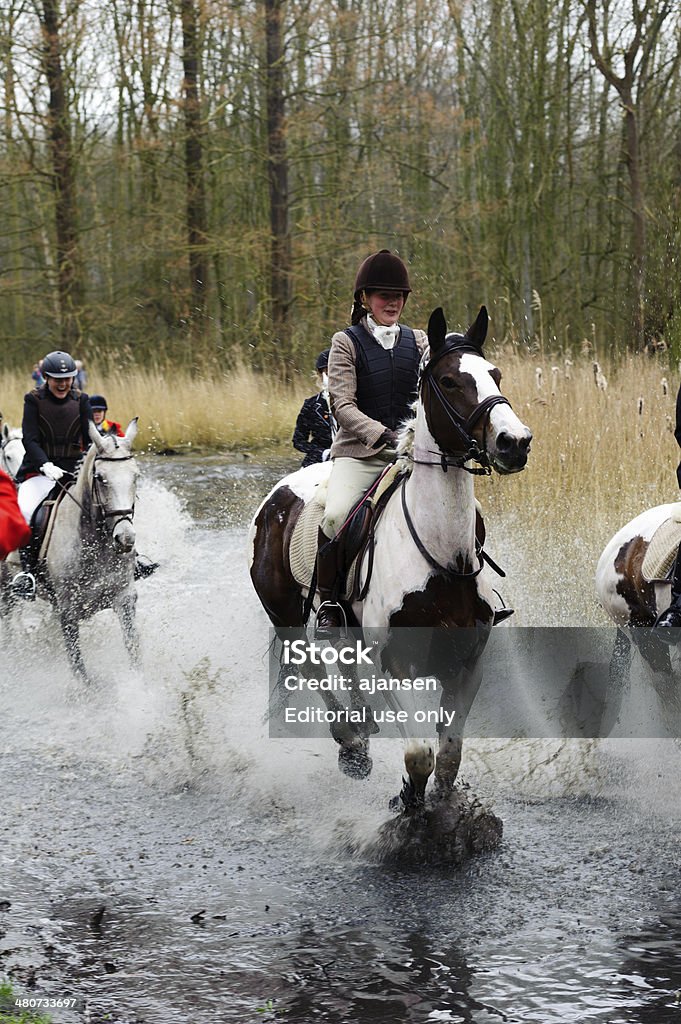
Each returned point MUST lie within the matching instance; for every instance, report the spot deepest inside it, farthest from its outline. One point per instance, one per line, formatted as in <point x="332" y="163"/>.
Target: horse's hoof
<point x="355" y="763"/>
<point x="408" y="800"/>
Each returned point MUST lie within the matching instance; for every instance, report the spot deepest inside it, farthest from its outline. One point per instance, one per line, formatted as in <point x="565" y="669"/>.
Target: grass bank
<point x="239" y="411"/>
<point x="12" y="1014"/>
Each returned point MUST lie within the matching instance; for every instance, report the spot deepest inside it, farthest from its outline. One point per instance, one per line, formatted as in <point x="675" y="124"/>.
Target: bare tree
<point x="69" y="271"/>
<point x="193" y="158"/>
<point x="277" y="171"/>
<point x="638" y="73"/>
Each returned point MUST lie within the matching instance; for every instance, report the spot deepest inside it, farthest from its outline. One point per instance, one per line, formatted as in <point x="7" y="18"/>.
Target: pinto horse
<point x="632" y="601"/>
<point x="87" y="559"/>
<point x="427" y="567"/>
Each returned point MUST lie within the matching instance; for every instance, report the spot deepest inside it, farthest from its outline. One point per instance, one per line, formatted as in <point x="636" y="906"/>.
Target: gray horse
<point x="88" y="555"/>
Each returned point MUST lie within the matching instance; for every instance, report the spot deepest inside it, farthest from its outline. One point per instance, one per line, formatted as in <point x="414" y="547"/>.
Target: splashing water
<point x="234" y="869"/>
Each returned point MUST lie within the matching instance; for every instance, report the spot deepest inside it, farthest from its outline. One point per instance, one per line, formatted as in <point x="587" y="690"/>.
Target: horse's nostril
<point x="504" y="442"/>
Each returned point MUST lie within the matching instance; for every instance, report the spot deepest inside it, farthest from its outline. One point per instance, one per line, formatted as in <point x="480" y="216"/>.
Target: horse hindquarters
<point x="280" y="595"/>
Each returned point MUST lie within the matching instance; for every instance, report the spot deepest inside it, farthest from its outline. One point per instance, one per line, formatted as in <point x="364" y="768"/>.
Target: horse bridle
<point x="472" y="451"/>
<point x="463" y="426"/>
<point x="7" y="441"/>
<point x="124" y="514"/>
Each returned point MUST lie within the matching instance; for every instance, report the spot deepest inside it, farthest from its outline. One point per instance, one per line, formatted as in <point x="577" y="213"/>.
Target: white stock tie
<point x="386" y="336"/>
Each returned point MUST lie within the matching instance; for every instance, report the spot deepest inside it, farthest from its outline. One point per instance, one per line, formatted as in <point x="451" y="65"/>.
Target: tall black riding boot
<point x="329" y="615"/>
<point x="670" y="619"/>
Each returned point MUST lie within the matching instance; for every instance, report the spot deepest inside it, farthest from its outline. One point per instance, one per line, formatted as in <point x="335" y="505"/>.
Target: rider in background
<point x="104" y="425"/>
<point x="373" y="378"/>
<point x="315" y="425"/>
<point x="37" y="374"/>
<point x="671" y="617"/>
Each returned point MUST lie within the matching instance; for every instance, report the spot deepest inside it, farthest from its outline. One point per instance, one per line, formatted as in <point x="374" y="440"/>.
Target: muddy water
<point x="164" y="861"/>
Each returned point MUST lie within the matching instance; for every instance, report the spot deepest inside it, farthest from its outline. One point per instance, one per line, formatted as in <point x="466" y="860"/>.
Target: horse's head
<point x="114" y="485"/>
<point x="466" y="413"/>
<point x="12" y="449"/>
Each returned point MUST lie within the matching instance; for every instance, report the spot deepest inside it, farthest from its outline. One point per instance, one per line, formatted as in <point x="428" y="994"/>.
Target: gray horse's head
<point x="114" y="484"/>
<point x="11" y="449"/>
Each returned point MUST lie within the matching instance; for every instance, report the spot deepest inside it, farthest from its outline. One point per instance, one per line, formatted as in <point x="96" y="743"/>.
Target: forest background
<point x="193" y="182"/>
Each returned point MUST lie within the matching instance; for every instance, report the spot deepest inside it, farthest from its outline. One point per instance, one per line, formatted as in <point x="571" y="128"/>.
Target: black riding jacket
<point x="55" y="430"/>
<point x="313" y="429"/>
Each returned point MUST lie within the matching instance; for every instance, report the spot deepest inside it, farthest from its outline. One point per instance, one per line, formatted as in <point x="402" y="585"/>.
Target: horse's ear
<point x="437" y="329"/>
<point x="131" y="431"/>
<point x="477" y="332"/>
<point x="95" y="436"/>
<point x="5" y="431"/>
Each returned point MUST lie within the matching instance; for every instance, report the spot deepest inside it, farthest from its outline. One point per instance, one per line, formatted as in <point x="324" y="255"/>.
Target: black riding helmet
<point x="58" y="364"/>
<point x="382" y="269"/>
<point x="98" y="402"/>
<point x="322" y="360"/>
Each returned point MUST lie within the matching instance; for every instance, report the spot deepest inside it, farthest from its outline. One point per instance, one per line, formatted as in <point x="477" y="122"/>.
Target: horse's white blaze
<point x="607" y="577"/>
<point x="502" y="419"/>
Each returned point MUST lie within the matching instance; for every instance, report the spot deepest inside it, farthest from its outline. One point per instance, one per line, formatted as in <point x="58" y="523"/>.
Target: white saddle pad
<point x="662" y="548"/>
<point x="303" y="550"/>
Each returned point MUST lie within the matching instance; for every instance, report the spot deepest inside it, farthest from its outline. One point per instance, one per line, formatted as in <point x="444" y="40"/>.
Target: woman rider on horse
<point x="55" y="433"/>
<point x="373" y="377"/>
<point x="55" y="430"/>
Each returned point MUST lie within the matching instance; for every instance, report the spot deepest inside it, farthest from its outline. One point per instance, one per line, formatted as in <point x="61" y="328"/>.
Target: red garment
<point x="14" y="530"/>
<point x="111" y="427"/>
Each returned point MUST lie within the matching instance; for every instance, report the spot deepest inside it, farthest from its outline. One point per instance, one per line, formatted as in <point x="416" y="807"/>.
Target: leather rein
<point x="472" y="451"/>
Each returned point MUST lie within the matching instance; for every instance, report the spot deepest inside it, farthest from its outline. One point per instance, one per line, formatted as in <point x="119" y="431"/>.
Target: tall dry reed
<point x="177" y="410"/>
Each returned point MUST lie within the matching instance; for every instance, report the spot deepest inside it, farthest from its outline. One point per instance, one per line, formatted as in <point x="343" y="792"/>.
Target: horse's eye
<point x="447" y="382"/>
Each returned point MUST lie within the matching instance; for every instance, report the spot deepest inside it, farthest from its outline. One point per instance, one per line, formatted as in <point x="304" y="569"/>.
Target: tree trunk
<point x="277" y="173"/>
<point x="193" y="157"/>
<point x="69" y="274"/>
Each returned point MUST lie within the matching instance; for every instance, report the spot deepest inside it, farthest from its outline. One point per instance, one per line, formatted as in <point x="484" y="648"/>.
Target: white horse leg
<point x="125" y="610"/>
<point x="457" y="697"/>
<point x="419" y="761"/>
<point x="71" y="633"/>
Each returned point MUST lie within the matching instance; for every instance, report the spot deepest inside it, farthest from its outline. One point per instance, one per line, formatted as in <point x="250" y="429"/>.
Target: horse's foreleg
<point x="353" y="756"/>
<point x="457" y="697"/>
<point x="419" y="760"/>
<point x="71" y="633"/>
<point x="618" y="681"/>
<point x="125" y="609"/>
